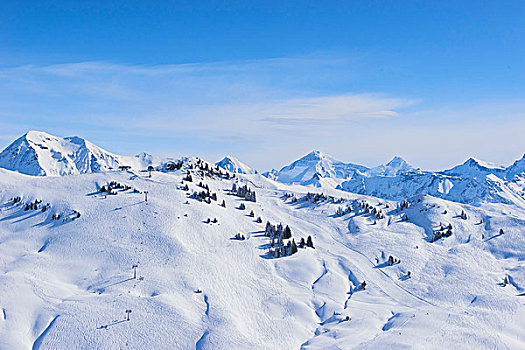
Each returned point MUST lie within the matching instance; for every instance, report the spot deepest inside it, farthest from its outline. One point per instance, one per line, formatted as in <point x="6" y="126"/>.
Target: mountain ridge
<point x="40" y="154"/>
<point x="37" y="153"/>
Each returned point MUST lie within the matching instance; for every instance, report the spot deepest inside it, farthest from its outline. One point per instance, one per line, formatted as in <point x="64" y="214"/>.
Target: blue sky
<point x="435" y="82"/>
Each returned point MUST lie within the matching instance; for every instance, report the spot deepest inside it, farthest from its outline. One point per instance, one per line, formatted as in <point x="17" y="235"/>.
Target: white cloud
<point x="268" y="112"/>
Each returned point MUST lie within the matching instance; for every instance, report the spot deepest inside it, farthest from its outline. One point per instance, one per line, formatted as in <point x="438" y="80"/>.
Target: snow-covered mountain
<point x="376" y="278"/>
<point x="234" y="165"/>
<point x="516" y="169"/>
<point x="476" y="168"/>
<point x="316" y="169"/>
<point x="472" y="182"/>
<point x="40" y="154"/>
<point x="395" y="261"/>
<point x="470" y="190"/>
<point x="395" y="167"/>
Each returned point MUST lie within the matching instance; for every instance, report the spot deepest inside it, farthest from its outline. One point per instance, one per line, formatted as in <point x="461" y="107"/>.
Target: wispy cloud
<point x="270" y="110"/>
<point x="220" y="98"/>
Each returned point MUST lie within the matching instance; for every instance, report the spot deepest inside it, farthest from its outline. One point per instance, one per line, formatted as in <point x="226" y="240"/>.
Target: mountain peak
<point x="480" y="163"/>
<point x="312" y="167"/>
<point x="393" y="168"/>
<point x="36" y="136"/>
<point x="315" y="154"/>
<point x="474" y="167"/>
<point x="397" y="160"/>
<point x="234" y="165"/>
<point x="38" y="153"/>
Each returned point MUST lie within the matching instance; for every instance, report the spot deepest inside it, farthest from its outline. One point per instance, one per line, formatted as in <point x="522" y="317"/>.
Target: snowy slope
<point x="38" y="153"/>
<point x="516" y="169"/>
<point x="234" y="165"/>
<point x="314" y="166"/>
<point x="67" y="284"/>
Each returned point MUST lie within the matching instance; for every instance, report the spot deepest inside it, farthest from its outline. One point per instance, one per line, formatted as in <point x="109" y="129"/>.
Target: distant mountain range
<point x="40" y="154"/>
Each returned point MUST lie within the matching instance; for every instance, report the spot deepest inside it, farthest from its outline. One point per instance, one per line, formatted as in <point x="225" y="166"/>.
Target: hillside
<point x="67" y="284"/>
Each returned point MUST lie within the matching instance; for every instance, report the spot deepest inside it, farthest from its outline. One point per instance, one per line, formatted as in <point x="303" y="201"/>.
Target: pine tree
<point x="287" y="233"/>
<point x="309" y="242"/>
<point x="288" y="249"/>
<point x="302" y="243"/>
<point x="268" y="228"/>
<point x="252" y="214"/>
<point x="223" y="204"/>
<point x="242" y="206"/>
<point x="294" y="247"/>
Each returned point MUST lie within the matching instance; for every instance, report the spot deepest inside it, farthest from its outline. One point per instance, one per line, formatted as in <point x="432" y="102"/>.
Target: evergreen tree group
<point x="239" y="237"/>
<point x="343" y="211"/>
<point x="315" y="197"/>
<point x="114" y="185"/>
<point x="370" y="209"/>
<point x="278" y="234"/>
<point x="204" y="196"/>
<point x="243" y="192"/>
<point x="443" y="232"/>
<point x="393" y="260"/>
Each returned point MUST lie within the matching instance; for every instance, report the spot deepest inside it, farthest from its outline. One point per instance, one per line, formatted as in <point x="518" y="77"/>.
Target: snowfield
<point x="67" y="284"/>
<point x="431" y="265"/>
